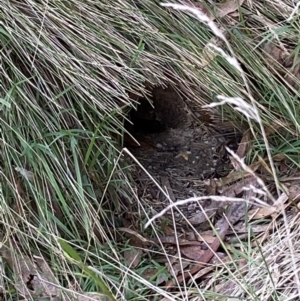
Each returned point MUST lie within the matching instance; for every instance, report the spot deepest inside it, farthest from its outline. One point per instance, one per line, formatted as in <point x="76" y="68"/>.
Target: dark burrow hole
<point x="145" y="119"/>
<point x="164" y="110"/>
<point x="176" y="148"/>
<point x="172" y="141"/>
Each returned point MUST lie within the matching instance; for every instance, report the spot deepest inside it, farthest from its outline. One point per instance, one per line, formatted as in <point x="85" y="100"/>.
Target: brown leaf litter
<point x="35" y="279"/>
<point x="197" y="248"/>
<point x="201" y="250"/>
<point x="181" y="156"/>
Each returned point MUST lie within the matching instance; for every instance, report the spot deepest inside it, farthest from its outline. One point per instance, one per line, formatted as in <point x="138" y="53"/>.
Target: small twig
<point x="166" y="184"/>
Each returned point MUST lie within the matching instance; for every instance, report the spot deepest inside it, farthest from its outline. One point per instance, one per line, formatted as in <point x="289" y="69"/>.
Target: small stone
<point x="198" y="218"/>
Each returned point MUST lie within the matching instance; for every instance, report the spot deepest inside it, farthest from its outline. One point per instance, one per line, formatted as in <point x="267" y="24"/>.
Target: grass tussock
<point x="67" y="70"/>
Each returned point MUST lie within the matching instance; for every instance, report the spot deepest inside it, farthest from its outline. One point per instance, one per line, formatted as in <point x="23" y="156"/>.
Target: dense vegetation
<point x="70" y="73"/>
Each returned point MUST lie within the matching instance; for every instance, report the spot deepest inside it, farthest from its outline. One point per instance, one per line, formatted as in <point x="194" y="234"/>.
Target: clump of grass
<point x="67" y="70"/>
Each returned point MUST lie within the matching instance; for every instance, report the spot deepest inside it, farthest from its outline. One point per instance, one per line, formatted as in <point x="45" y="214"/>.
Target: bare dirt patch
<point x="176" y="150"/>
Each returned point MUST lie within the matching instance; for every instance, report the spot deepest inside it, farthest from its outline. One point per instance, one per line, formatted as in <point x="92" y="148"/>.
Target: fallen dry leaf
<point x="193" y="252"/>
<point x="32" y="279"/>
<point x="227" y="7"/>
<point x="165" y="184"/>
<point x="202" y="272"/>
<point x="279" y="157"/>
<point x="149" y="273"/>
<point x="227" y="288"/>
<point x="238" y="210"/>
<point x="138" y="243"/>
<point x="178" y="268"/>
<point x="222" y="9"/>
<point x="206" y="252"/>
<point x="217" y="185"/>
<point x="175" y="240"/>
<point x="244" y="145"/>
<point x="238" y="187"/>
<point x="36" y="281"/>
<point x="201" y="217"/>
<point x="243" y="229"/>
<point x="219" y="259"/>
<point x="191" y="239"/>
<point x="205" y="255"/>
<point x="133" y="257"/>
<point x="274" y="210"/>
<point x="262" y="212"/>
<point x="206" y="236"/>
<point x="136" y="239"/>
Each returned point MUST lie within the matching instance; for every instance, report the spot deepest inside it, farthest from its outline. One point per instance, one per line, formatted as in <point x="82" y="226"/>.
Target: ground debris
<point x="35" y="279"/>
<point x="178" y="157"/>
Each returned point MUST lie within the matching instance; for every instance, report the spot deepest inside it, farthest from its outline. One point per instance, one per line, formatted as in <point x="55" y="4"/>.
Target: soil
<point x="175" y="150"/>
